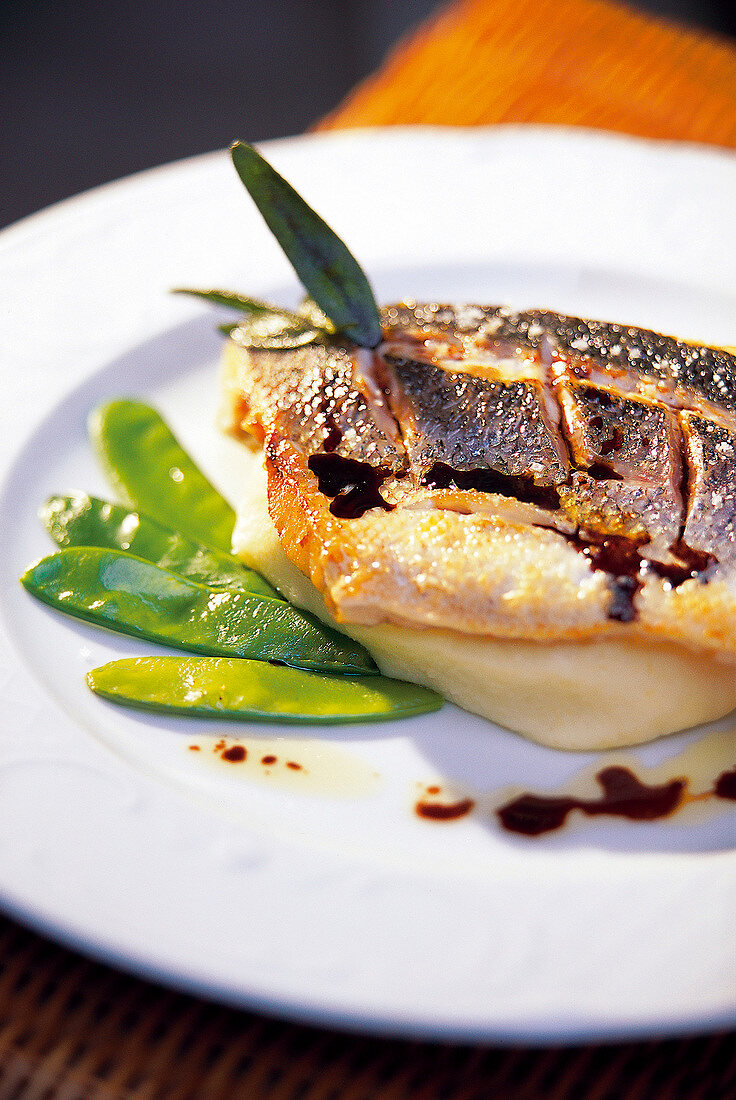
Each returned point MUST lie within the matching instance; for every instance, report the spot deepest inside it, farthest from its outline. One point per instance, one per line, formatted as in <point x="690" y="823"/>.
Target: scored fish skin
<point x="670" y="370"/>
<point x="711" y="518"/>
<point x="311" y="396"/>
<point x="665" y="368"/>
<point x="620" y="427"/>
<point x="473" y="423"/>
<point x="629" y="469"/>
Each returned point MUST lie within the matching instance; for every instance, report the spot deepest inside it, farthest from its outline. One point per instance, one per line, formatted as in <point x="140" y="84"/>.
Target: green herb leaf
<point x="266" y="326"/>
<point x="324" y="264"/>
<point x="253" y="307"/>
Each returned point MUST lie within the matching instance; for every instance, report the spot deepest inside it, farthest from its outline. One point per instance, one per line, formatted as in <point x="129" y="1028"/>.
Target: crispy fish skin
<point x="431" y="566"/>
<point x="311" y="393"/>
<point x="711" y="516"/>
<point x="494" y="425"/>
<point x="629" y="474"/>
<point x="623" y="423"/>
<point x="665" y="368"/>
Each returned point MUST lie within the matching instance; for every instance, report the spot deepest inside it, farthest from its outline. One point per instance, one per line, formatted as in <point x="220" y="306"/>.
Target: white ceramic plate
<point x="343" y="907"/>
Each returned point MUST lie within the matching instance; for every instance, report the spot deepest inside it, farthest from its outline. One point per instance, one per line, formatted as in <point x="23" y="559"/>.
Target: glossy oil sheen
<point x="151" y="470"/>
<point x="82" y="520"/>
<point x="257" y="691"/>
<point x="132" y="596"/>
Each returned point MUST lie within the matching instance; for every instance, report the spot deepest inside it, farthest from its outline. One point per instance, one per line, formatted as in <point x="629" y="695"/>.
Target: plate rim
<point x="399" y="1024"/>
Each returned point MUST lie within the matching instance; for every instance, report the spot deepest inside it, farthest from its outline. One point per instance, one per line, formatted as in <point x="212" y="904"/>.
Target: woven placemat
<point x="564" y="62"/>
<point x="77" y="1030"/>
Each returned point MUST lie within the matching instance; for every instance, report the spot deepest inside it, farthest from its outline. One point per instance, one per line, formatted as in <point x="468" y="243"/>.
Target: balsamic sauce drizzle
<point x="725" y="785"/>
<point x="485" y="480"/>
<point x="610" y="446"/>
<point x="624" y="795"/>
<point x="352" y="484"/>
<point x="444" y="811"/>
<point x="694" y="563"/>
<point x="333" y="437"/>
<point x="236" y="754"/>
<point x="601" y="471"/>
<point x="622" y="559"/>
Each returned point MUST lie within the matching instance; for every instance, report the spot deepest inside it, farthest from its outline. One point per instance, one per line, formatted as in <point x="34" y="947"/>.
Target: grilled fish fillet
<point x="512" y="480"/>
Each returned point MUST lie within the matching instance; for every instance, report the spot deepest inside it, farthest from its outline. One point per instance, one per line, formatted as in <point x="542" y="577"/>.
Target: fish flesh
<point x="521" y="475"/>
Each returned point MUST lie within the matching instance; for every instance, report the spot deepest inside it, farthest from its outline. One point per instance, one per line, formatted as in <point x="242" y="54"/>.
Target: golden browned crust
<point x="465" y="569"/>
<point x="578" y="696"/>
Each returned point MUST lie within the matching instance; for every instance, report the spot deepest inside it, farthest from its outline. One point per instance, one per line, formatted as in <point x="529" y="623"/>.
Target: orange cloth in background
<point x="571" y="62"/>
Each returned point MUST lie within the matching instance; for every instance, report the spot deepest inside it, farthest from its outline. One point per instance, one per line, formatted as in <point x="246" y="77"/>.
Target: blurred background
<point x="93" y="90"/>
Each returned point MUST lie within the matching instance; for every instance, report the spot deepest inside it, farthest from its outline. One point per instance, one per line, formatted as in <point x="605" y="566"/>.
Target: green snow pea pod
<point x="218" y="687"/>
<point x="81" y="520"/>
<point x="124" y="593"/>
<point x="150" y="470"/>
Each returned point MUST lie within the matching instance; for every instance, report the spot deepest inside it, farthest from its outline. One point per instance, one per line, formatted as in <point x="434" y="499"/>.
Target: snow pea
<point x="216" y="687"/>
<point x="82" y="520"/>
<point x="150" y="470"/>
<point x="125" y="593"/>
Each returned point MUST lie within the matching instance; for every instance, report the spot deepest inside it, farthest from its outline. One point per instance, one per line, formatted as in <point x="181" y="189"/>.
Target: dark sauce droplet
<point x="610" y="446"/>
<point x="622" y="608"/>
<point x="622" y="559"/>
<point x="624" y="795"/>
<point x="353" y="485"/>
<point x="236" y="754"/>
<point x="269" y="759"/>
<point x="532" y="815"/>
<point x="444" y="811"/>
<point x="601" y="471"/>
<point x="725" y="785"/>
<point x="694" y="563"/>
<point x="442" y="476"/>
<point x="334" y="434"/>
<point x="293" y="765"/>
<point x="614" y="554"/>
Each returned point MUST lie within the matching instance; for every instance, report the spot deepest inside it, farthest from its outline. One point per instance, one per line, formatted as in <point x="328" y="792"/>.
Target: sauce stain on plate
<point x="697" y="783"/>
<point x="300" y="765"/>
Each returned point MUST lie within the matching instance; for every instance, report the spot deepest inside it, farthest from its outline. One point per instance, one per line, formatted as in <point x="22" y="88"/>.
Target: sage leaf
<point x="264" y="325"/>
<point x="253" y="307"/>
<point x="326" y="267"/>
